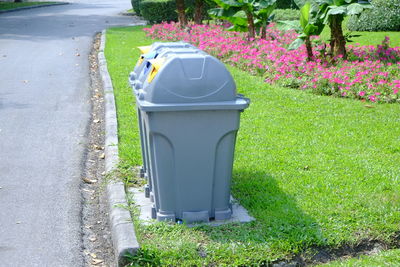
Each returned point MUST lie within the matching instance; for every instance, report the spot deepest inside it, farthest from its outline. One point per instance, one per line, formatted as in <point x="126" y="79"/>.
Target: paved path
<point x="44" y="114"/>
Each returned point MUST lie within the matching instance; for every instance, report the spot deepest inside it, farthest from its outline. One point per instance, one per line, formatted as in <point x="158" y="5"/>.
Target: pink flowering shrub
<point x="370" y="73"/>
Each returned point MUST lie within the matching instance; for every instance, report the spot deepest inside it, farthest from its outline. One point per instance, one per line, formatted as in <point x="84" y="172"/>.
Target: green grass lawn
<point x="385" y="258"/>
<point x="7" y="5"/>
<point x="315" y="171"/>
<point x="366" y="38"/>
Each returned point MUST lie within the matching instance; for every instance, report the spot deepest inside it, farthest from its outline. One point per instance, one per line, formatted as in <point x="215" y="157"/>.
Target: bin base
<point x="142" y="172"/>
<point x="148" y="212"/>
<point x="196" y="217"/>
<point x="222" y="215"/>
<point x="147" y="191"/>
<point x="153" y="212"/>
<point x="166" y="216"/>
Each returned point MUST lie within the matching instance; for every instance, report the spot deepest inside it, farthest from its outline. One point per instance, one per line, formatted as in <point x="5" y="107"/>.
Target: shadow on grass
<point x="279" y="221"/>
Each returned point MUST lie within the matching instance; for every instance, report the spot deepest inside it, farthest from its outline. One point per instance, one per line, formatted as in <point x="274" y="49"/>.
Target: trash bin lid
<point x="159" y="45"/>
<point x="142" y="70"/>
<point x="188" y="81"/>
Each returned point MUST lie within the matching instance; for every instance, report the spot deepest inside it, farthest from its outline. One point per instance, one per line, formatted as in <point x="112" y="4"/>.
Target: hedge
<point x="136" y="6"/>
<point x="156" y="11"/>
<point x="384" y="16"/>
<point x="286" y="14"/>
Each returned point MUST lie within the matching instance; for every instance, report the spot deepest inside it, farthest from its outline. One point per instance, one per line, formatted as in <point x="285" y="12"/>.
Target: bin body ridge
<point x="192" y="175"/>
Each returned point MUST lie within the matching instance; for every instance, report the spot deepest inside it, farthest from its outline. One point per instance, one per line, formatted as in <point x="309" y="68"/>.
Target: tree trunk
<point x="332" y="44"/>
<point x="198" y="12"/>
<point x="264" y="32"/>
<point x="250" y="22"/>
<point x="310" y="55"/>
<point x="337" y="32"/>
<point x="180" y="6"/>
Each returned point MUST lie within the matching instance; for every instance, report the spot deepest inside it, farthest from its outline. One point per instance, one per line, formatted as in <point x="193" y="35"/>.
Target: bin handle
<point x="244" y="98"/>
<point x="144" y="49"/>
<point x="156" y="65"/>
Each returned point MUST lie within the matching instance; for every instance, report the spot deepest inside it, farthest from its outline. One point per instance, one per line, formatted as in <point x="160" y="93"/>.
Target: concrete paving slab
<point x="239" y="213"/>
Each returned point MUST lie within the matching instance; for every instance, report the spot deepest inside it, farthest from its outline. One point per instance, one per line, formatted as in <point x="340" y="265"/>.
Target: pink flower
<point x="372" y="98"/>
<point x="362" y="93"/>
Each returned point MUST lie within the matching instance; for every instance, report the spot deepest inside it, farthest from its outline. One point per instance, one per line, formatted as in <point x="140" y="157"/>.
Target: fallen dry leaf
<point x="97" y="147"/>
<point x="369" y="106"/>
<point x="89" y="181"/>
<point x="93" y="255"/>
<point x="103" y="156"/>
<point x="92" y="238"/>
<point x="77" y="54"/>
<point x="87" y="190"/>
<point x="96" y="121"/>
<point x="96" y="261"/>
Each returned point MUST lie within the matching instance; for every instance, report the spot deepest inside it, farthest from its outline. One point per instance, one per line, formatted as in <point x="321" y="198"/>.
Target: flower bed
<point x="370" y="73"/>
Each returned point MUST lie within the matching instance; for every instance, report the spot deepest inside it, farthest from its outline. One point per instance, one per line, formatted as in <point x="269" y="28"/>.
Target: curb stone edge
<point x="121" y="224"/>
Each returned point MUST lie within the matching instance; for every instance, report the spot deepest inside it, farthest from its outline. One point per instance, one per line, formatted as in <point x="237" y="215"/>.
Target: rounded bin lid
<point x="150" y="52"/>
<point x="188" y="81"/>
<point x="137" y="79"/>
<point x="159" y="45"/>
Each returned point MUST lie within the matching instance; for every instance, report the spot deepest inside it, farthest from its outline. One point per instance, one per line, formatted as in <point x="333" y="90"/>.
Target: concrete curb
<point x="122" y="228"/>
<point x="30" y="7"/>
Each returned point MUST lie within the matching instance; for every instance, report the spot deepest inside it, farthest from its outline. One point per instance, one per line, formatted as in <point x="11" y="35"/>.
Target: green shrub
<point x="286" y="14"/>
<point x="136" y="6"/>
<point x="384" y="16"/>
<point x="156" y="11"/>
<point x="285" y="4"/>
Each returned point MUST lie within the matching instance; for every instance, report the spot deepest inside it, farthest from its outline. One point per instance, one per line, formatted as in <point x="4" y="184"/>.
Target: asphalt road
<point x="44" y="115"/>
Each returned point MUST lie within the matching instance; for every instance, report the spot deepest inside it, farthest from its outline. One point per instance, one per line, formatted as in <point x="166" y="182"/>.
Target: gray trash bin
<point x="191" y="113"/>
<point x="141" y="72"/>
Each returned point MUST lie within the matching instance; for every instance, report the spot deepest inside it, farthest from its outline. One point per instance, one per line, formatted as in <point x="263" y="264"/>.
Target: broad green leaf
<point x="265" y="12"/>
<point x="325" y="2"/>
<point x="289" y="25"/>
<point x="338" y="2"/>
<point x="229" y="3"/>
<point x="240" y="14"/>
<point x="355" y="9"/>
<point x="304" y="15"/>
<point x="223" y="13"/>
<point x="337" y="10"/>
<point x="296" y="44"/>
<point x="310" y="29"/>
<point x="300" y="3"/>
